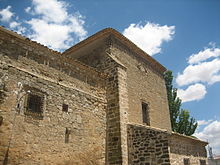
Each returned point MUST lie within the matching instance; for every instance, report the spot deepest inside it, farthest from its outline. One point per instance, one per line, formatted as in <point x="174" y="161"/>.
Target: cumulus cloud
<point x="203" y="69"/>
<point x="6" y="14"/>
<point x="53" y="26"/>
<point x="204" y="55"/>
<point x="211" y="133"/>
<point x="150" y="36"/>
<point x="52" y="11"/>
<point x="206" y="72"/>
<point x="50" y="25"/>
<point x="55" y="35"/>
<point x="17" y="27"/>
<point x="193" y="92"/>
<point x="204" y="122"/>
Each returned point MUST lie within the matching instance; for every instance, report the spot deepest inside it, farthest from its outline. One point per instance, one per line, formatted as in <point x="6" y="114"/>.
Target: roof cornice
<point x="124" y="40"/>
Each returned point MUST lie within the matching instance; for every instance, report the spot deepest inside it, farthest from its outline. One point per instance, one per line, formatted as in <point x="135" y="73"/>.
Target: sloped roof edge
<point x="54" y="52"/>
<point x="123" y="39"/>
<point x="27" y="40"/>
<point x="189" y="137"/>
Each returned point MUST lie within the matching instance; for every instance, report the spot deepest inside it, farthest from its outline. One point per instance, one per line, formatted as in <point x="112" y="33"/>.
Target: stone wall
<point x="184" y="147"/>
<point x="147" y="146"/>
<point x="15" y="46"/>
<point x="116" y="111"/>
<point x="103" y="95"/>
<point x="145" y="84"/>
<point x="214" y="161"/>
<point x="100" y="58"/>
<point x="28" y="139"/>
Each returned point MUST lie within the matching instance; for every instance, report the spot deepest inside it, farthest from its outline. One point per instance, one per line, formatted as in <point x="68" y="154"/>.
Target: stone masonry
<point x="85" y="105"/>
<point x="148" y="146"/>
<point x="182" y="147"/>
<point x="39" y="141"/>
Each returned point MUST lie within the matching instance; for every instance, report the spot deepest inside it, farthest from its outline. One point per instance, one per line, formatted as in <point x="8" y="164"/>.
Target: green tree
<point x="173" y="101"/>
<point x="186" y="124"/>
<point x="181" y="121"/>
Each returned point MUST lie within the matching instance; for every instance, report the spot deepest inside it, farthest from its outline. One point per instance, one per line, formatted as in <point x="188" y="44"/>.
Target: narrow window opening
<point x="67" y="134"/>
<point x="145" y="113"/>
<point x="186" y="161"/>
<point x="65" y="108"/>
<point x="202" y="162"/>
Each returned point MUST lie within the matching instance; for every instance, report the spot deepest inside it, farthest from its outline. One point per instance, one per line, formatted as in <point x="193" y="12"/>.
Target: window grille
<point x="34" y="106"/>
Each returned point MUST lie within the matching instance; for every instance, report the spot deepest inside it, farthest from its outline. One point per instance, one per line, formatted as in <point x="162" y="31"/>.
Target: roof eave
<point x="124" y="40"/>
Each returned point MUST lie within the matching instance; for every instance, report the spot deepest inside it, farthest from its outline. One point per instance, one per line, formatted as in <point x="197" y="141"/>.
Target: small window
<point x="35" y="103"/>
<point x="34" y="106"/>
<point x="202" y="162"/>
<point x="186" y="161"/>
<point x="65" y="108"/>
<point x="145" y="113"/>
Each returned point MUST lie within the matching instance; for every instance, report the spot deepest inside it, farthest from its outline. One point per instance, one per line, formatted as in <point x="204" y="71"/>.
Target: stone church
<point x="102" y="101"/>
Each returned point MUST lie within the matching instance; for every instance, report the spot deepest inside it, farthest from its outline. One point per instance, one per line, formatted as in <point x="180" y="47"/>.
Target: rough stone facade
<point x="88" y="105"/>
<point x="153" y="92"/>
<point x="182" y="147"/>
<point x="148" y="146"/>
<point x="36" y="140"/>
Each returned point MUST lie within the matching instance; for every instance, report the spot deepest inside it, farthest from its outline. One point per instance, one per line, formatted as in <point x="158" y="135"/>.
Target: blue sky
<point x="184" y="36"/>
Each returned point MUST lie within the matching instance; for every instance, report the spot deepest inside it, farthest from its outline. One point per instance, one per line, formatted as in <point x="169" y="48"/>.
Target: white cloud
<point x="204" y="67"/>
<point x="55" y="35"/>
<point x="204" y="122"/>
<point x="150" y="36"/>
<point x="14" y="24"/>
<point x="28" y="9"/>
<point x="193" y="92"/>
<point x="211" y="133"/>
<point x="206" y="72"/>
<point x="204" y="55"/>
<point x="20" y="29"/>
<point x="9" y="17"/>
<point x="6" y="14"/>
<point x="52" y="11"/>
<point x="53" y="26"/>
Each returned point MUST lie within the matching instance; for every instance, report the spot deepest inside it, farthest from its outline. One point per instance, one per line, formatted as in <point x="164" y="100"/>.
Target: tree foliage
<point x="181" y="121"/>
<point x="186" y="124"/>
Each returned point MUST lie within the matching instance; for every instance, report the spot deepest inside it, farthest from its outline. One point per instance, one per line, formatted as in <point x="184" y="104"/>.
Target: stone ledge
<point x="149" y="127"/>
<point x="188" y="138"/>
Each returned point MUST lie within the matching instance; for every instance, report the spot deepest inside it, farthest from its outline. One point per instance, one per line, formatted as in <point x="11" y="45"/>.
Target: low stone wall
<point x="188" y="148"/>
<point x="147" y="146"/>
